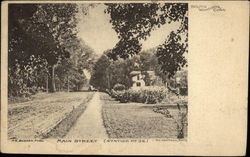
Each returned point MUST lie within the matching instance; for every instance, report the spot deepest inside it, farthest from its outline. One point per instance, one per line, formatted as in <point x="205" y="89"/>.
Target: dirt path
<point x="89" y="124"/>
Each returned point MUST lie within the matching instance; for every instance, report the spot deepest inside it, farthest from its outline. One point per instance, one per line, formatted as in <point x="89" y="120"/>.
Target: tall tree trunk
<point x="51" y="80"/>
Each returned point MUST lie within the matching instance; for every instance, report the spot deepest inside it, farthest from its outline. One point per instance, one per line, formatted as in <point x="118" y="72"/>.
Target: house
<point x="142" y="78"/>
<point x="137" y="79"/>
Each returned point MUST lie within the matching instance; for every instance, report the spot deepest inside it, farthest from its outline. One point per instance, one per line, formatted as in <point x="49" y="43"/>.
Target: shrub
<point x="150" y="95"/>
<point x="121" y="96"/>
<point x="134" y="96"/>
<point x="119" y="87"/>
<point x="153" y="95"/>
<point x="183" y="91"/>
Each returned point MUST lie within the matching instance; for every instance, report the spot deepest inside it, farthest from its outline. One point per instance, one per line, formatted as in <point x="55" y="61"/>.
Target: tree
<point x="41" y="30"/>
<point x="70" y="70"/>
<point x="148" y="60"/>
<point x="173" y="60"/>
<point x="60" y="22"/>
<point x="24" y="67"/>
<point x="100" y="75"/>
<point x="107" y="73"/>
<point x="134" y="22"/>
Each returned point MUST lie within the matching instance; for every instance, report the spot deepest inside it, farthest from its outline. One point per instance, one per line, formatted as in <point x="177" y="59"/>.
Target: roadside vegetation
<point x="148" y="95"/>
<point x="139" y="120"/>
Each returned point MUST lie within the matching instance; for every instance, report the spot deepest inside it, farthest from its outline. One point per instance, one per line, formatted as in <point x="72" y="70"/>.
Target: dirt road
<point x="90" y="124"/>
<point x="30" y="119"/>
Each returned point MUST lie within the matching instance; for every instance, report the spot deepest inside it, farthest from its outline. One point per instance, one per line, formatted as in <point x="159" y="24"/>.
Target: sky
<point x="98" y="33"/>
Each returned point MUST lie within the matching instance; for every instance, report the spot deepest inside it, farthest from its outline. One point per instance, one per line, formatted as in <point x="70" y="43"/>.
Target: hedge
<point x="150" y="95"/>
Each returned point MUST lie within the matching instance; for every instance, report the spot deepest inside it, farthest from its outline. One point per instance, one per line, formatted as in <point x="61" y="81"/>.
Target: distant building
<point x="141" y="79"/>
<point x="137" y="79"/>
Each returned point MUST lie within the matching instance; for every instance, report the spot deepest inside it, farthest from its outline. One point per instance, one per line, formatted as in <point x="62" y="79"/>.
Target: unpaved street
<point x="30" y="119"/>
<point x="89" y="124"/>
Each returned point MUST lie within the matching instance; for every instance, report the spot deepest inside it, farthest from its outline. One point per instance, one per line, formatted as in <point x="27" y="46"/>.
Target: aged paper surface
<point x="217" y="93"/>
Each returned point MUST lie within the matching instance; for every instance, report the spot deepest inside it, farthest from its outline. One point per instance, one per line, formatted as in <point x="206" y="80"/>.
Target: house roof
<point x="135" y="72"/>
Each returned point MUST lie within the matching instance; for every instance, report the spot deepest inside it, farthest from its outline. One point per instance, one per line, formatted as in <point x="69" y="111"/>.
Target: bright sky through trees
<point x="97" y="32"/>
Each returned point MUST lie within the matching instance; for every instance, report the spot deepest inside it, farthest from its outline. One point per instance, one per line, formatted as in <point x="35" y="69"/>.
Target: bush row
<point x="150" y="95"/>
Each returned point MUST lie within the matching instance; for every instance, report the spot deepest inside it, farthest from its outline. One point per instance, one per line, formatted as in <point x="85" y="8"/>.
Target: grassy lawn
<point x="31" y="118"/>
<point x="137" y="120"/>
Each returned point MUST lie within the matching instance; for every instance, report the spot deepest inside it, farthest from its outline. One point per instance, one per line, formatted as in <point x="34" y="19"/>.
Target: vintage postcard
<point x="124" y="77"/>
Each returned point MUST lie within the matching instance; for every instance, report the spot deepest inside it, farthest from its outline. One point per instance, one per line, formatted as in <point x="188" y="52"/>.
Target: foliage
<point x="69" y="77"/>
<point x="107" y="73"/>
<point x="183" y="91"/>
<point x="70" y="71"/>
<point x="170" y="55"/>
<point x="47" y="34"/>
<point x="184" y="84"/>
<point x="100" y="78"/>
<point x="148" y="60"/>
<point x="119" y="87"/>
<point x="23" y="80"/>
<point x="133" y="22"/>
<point x="178" y="84"/>
<point x="150" y="95"/>
<point x="47" y="26"/>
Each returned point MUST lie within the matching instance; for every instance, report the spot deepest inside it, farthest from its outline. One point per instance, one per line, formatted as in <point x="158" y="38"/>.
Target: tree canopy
<point x="107" y="72"/>
<point x="43" y="37"/>
<point x="134" y="22"/>
<point x="41" y="30"/>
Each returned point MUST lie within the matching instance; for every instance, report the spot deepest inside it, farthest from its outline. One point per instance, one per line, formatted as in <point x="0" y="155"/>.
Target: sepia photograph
<point x="97" y="70"/>
<point x="124" y="77"/>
